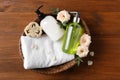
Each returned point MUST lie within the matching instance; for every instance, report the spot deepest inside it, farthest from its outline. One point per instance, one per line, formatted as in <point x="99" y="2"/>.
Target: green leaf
<point x="78" y="63"/>
<point x="64" y="23"/>
<point x="54" y="10"/>
<point x="79" y="60"/>
<point x="59" y="23"/>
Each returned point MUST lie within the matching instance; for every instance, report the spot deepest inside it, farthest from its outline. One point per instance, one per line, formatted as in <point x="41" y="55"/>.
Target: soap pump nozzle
<point x="76" y="17"/>
<point x="39" y="13"/>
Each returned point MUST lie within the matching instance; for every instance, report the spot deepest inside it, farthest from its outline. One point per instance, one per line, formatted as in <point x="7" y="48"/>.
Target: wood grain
<point x="103" y="19"/>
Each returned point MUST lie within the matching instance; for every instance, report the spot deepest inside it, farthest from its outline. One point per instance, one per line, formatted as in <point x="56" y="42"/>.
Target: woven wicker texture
<point x="62" y="67"/>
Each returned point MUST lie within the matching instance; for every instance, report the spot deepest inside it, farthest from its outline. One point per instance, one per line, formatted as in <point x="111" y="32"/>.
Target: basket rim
<point x="58" y="68"/>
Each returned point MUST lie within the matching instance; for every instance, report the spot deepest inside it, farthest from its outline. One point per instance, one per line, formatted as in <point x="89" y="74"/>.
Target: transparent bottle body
<point x="72" y="36"/>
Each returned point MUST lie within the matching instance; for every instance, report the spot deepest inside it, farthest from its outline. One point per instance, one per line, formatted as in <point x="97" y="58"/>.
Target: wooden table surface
<point x="103" y="19"/>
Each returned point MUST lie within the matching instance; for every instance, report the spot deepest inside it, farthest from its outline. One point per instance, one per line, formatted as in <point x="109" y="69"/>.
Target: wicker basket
<point x="62" y="67"/>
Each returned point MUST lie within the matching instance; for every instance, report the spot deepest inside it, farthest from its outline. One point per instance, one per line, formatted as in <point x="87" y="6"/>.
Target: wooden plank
<point x="79" y="5"/>
<point x="98" y="22"/>
<point x="105" y="49"/>
<point x="103" y="23"/>
<point x="101" y="16"/>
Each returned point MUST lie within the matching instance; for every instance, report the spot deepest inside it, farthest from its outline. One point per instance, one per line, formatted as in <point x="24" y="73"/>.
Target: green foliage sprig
<point x="79" y="60"/>
<point x="63" y="25"/>
<point x="55" y="10"/>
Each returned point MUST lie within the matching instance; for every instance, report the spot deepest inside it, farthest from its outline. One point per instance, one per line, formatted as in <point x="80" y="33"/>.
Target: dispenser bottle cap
<point x="76" y="17"/>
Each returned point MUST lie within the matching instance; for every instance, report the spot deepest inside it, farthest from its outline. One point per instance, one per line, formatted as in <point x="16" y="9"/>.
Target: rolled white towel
<point x="42" y="52"/>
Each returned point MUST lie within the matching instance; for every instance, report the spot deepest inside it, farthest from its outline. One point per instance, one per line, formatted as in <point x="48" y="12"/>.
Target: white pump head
<point x="76" y="18"/>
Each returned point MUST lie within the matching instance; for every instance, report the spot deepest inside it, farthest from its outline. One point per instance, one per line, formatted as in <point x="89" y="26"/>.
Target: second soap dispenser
<point x="72" y="35"/>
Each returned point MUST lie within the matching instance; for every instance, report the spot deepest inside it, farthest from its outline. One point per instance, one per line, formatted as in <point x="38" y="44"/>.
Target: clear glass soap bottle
<point x="72" y="36"/>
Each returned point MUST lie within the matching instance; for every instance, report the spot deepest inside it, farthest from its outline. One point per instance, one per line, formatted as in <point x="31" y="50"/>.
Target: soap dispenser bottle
<point x="50" y="25"/>
<point x="71" y="39"/>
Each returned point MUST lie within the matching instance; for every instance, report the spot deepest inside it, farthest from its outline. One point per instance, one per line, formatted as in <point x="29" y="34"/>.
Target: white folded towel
<point x="43" y="52"/>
